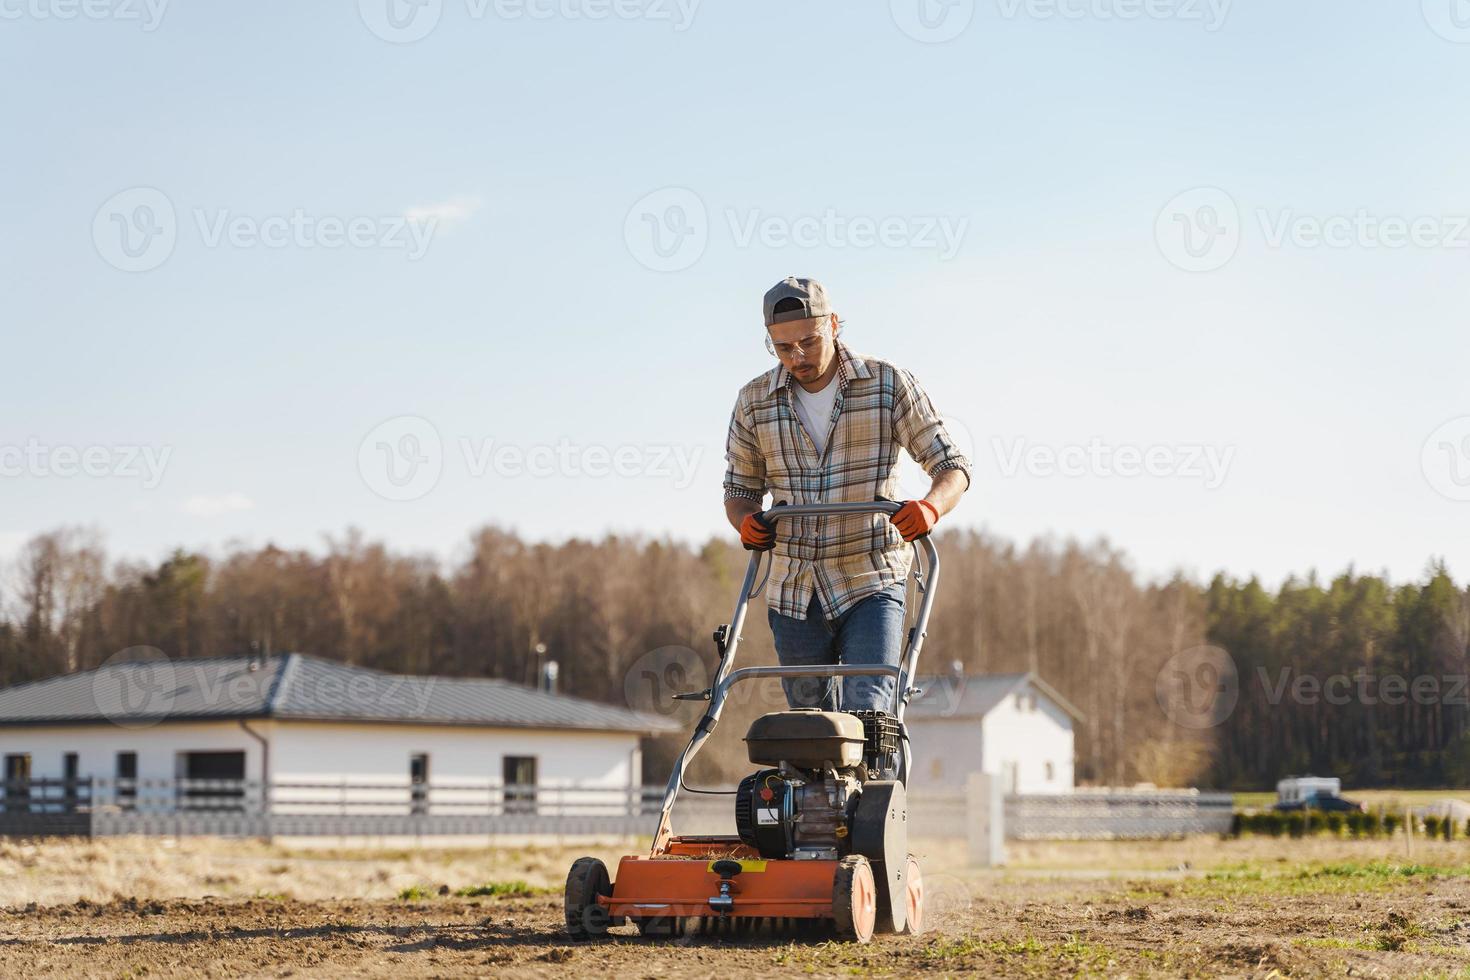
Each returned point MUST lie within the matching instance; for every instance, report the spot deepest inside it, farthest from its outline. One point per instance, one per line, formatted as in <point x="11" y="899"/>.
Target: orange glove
<point x="915" y="519"/>
<point x="756" y="534"/>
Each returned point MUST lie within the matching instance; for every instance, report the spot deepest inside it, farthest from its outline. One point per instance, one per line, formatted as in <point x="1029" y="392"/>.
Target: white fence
<point x="1104" y="815"/>
<point x="183" y="807"/>
<point x="247" y="808"/>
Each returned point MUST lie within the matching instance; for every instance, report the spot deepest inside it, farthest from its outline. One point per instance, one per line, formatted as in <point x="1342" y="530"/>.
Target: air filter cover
<point x="806" y="738"/>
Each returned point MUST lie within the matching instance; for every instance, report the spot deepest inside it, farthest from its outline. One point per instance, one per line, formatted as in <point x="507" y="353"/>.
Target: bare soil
<point x="1361" y="920"/>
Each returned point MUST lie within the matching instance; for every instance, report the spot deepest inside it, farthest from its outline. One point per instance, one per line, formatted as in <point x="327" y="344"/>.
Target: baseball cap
<point x="810" y="294"/>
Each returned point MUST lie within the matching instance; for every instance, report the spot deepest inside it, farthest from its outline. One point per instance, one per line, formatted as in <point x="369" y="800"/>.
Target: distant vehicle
<point x="1326" y="804"/>
<point x="1313" y="793"/>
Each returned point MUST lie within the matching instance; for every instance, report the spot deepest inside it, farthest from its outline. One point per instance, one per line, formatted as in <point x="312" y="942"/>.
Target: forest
<point x="1358" y="677"/>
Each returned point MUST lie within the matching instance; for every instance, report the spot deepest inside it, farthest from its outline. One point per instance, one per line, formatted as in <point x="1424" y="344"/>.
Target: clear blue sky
<point x="1060" y="320"/>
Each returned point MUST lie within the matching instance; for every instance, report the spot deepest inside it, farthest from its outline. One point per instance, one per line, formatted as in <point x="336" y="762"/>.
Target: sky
<point x="1190" y="275"/>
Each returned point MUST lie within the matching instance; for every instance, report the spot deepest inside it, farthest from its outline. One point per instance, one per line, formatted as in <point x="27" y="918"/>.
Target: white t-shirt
<point x="814" y="408"/>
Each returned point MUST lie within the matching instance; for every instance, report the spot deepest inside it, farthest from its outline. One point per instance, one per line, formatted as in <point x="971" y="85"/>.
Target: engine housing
<point x="805" y="806"/>
<point x="796" y="815"/>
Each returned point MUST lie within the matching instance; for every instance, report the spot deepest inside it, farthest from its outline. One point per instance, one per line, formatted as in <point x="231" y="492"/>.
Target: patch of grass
<point x="1237" y="874"/>
<point x="1395" y="934"/>
<point x="1440" y="949"/>
<point x="822" y="957"/>
<point x="1077" y="956"/>
<point x="1075" y="948"/>
<point x="1302" y="879"/>
<point x="502" y="889"/>
<point x="1164" y="958"/>
<point x="1337" y="942"/>
<point x="414" y="893"/>
<point x="961" y="947"/>
<point x="1375" y="869"/>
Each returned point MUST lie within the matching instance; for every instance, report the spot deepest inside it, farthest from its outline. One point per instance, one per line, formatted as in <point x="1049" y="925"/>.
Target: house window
<point x="418" y="780"/>
<point x="18" y="782"/>
<point x="518" y="776"/>
<point x="70" y="787"/>
<point x="127" y="779"/>
<point x="212" y="780"/>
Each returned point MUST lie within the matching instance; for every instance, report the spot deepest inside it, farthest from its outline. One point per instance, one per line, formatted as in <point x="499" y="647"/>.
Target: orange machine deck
<point x="652" y="887"/>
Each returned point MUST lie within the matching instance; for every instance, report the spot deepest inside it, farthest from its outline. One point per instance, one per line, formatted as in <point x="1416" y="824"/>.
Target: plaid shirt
<point x="879" y="408"/>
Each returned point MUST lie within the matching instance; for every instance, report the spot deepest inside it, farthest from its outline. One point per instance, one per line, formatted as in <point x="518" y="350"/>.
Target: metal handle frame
<point x="925" y="573"/>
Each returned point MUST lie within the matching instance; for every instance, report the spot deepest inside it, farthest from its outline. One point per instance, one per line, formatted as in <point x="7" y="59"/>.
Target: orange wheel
<point x="855" y="899"/>
<point x="913" y="893"/>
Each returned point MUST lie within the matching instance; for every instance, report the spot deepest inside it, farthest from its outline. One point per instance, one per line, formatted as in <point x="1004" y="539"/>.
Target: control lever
<point x="727" y="870"/>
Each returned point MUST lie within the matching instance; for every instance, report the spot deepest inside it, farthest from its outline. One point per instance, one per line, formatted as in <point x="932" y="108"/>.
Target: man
<point x="825" y="426"/>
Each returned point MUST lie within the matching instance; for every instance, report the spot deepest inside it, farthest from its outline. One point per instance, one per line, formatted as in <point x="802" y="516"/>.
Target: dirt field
<point x="1205" y="907"/>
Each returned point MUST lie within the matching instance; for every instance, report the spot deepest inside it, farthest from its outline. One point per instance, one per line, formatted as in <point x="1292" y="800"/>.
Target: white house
<point x="1015" y="726"/>
<point x="319" y="734"/>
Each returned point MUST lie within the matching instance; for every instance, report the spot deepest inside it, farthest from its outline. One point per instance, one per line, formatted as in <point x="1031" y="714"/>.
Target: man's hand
<point x="756" y="534"/>
<point x="915" y="519"/>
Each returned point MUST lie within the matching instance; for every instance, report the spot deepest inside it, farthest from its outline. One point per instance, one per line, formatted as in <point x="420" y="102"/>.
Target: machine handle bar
<point x="888" y="507"/>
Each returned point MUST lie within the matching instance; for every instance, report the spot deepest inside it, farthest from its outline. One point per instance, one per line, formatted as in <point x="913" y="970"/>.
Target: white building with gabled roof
<point x="303" y="725"/>
<point x="1013" y="726"/>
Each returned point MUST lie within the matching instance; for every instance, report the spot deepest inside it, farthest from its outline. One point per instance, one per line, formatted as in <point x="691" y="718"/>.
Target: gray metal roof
<point x="974" y="695"/>
<point x="296" y="686"/>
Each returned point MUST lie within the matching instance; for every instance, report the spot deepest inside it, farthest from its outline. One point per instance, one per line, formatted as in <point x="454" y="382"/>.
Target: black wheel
<point x="854" y="899"/>
<point x="585" y="882"/>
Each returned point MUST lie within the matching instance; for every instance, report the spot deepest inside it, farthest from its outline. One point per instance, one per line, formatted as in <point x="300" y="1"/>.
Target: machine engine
<point x="811" y="803"/>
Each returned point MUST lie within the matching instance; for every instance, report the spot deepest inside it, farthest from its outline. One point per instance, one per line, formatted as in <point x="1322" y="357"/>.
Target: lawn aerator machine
<point x="822" y="828"/>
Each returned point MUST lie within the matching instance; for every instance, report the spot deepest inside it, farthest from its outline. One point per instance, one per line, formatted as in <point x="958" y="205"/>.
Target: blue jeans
<point x="871" y="632"/>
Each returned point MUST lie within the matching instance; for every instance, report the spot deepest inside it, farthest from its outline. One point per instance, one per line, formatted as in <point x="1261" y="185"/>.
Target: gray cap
<point x="811" y="294"/>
